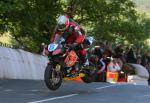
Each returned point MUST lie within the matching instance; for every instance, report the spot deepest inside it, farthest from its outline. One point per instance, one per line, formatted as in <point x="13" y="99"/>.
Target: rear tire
<point x="89" y="77"/>
<point x="51" y="76"/>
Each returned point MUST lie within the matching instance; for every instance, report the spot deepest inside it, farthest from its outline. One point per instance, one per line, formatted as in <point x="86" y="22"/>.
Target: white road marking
<point x="66" y="96"/>
<point x="123" y="83"/>
<point x="117" y="84"/>
<point x="35" y="90"/>
<point x="143" y="96"/>
<point x="8" y="90"/>
<point x="54" y="98"/>
<point x="106" y="87"/>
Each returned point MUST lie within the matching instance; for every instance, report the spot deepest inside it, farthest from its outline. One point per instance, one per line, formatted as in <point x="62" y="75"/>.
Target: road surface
<point x="28" y="91"/>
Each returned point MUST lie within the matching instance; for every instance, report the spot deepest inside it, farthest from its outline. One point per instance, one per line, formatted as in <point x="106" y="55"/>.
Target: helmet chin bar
<point x="63" y="29"/>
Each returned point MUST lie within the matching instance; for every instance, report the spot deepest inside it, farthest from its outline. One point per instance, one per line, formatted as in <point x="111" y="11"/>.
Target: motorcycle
<point x="65" y="63"/>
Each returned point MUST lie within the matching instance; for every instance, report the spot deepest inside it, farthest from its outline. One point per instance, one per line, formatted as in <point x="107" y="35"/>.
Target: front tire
<point x="52" y="78"/>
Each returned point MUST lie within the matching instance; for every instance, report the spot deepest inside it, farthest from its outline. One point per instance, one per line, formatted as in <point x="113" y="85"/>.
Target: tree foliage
<point x="109" y="18"/>
<point x="31" y="22"/>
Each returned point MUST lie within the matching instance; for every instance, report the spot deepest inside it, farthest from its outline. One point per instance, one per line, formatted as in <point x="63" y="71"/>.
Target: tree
<point x="29" y="21"/>
<point x="107" y="19"/>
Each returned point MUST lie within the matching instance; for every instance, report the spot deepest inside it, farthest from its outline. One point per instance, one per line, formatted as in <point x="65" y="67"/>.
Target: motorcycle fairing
<point x="71" y="58"/>
<point x="52" y="47"/>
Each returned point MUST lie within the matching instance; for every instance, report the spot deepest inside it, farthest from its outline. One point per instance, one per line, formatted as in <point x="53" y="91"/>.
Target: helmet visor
<point x="61" y="26"/>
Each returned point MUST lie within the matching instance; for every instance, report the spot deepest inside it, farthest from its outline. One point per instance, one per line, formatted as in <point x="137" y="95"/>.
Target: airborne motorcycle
<point x="64" y="62"/>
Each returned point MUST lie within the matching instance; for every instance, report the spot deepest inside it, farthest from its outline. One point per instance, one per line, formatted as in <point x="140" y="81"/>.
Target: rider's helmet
<point x="62" y="22"/>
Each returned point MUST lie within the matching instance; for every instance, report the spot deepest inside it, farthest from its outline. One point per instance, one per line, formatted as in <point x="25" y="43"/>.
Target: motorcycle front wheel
<point x="52" y="78"/>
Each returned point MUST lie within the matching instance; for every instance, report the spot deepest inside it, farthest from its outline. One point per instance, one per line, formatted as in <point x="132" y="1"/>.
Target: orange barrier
<point x="112" y="76"/>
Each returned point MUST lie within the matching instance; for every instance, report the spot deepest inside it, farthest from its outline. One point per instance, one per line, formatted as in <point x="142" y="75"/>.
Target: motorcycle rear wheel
<point x="53" y="79"/>
<point x="87" y="79"/>
<point x="89" y="76"/>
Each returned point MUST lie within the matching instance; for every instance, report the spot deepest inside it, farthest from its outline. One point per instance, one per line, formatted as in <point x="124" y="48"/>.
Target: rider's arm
<point x="81" y="36"/>
<point x="75" y="27"/>
<point x="55" y="36"/>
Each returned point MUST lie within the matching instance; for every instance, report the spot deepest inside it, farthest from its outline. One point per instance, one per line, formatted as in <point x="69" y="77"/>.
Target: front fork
<point x="56" y="67"/>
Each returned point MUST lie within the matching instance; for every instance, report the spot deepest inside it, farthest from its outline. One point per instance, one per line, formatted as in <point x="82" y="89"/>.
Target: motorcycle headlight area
<point x="52" y="47"/>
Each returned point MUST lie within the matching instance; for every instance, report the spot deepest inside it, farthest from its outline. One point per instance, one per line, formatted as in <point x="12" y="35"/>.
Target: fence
<point x="20" y="64"/>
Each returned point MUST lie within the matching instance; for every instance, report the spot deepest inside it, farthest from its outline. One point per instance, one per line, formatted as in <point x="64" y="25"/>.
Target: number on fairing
<point x="52" y="47"/>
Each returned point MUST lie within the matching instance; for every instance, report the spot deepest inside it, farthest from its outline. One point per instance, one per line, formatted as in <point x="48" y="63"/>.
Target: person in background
<point x="113" y="65"/>
<point x="146" y="62"/>
<point x="101" y="72"/>
<point x="108" y="49"/>
<point x="102" y="66"/>
<point x="138" y="60"/>
<point x="126" y="52"/>
<point x="98" y="50"/>
<point x="138" y="53"/>
<point x="146" y="58"/>
<point x="43" y="49"/>
<point x="101" y="55"/>
<point x="131" y="56"/>
<point x="112" y="70"/>
<point x="102" y="62"/>
<point x="119" y="52"/>
<point x="148" y="66"/>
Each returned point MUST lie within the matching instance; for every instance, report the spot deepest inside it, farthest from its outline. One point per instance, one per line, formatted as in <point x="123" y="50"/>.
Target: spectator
<point x="119" y="61"/>
<point x="146" y="58"/>
<point x="139" y="61"/>
<point x="146" y="62"/>
<point x="102" y="68"/>
<point x="148" y="66"/>
<point x="131" y="56"/>
<point x="43" y="50"/>
<point x="108" y="49"/>
<point x="119" y="52"/>
<point x="98" y="50"/>
<point x="112" y="71"/>
<point x="138" y="53"/>
<point x="102" y="65"/>
<point x="102" y="47"/>
<point x="113" y="65"/>
<point x="126" y="52"/>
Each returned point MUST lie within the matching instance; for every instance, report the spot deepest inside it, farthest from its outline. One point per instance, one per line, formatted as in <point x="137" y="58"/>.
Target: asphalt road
<point x="28" y="91"/>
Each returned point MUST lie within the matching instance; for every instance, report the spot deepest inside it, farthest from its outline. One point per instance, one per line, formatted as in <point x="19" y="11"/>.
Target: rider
<point x="69" y="32"/>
